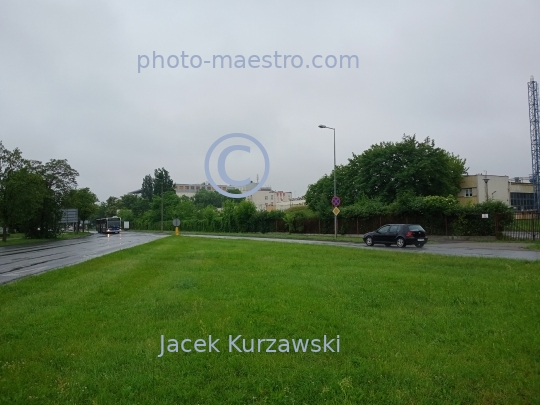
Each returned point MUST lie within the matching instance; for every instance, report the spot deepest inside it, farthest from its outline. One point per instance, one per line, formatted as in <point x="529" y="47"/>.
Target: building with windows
<point x="189" y="190"/>
<point x="517" y="192"/>
<point x="265" y="197"/>
<point x="521" y="194"/>
<point x="478" y="188"/>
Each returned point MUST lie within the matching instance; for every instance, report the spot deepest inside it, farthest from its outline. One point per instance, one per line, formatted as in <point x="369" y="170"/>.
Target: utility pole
<point x="162" y="201"/>
<point x="335" y="188"/>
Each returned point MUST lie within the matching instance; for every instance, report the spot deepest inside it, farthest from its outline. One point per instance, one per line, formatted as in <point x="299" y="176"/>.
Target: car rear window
<point x="413" y="228"/>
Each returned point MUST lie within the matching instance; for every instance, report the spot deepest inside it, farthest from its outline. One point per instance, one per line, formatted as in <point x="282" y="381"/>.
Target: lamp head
<point x="322" y="126"/>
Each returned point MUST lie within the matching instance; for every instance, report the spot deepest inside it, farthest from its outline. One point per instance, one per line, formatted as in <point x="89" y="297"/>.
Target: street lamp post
<point x="335" y="191"/>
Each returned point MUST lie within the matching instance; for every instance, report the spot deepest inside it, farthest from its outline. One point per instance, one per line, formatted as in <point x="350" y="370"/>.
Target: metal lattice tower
<point x="535" y="139"/>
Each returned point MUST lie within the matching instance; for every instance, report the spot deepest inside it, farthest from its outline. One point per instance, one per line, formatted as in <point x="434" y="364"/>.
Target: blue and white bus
<point x="108" y="225"/>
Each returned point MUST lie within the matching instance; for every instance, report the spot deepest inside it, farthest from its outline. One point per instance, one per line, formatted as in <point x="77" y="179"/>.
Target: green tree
<point x="112" y="206"/>
<point x="126" y="214"/>
<point x="85" y="201"/>
<point x="319" y="195"/>
<point x="162" y="178"/>
<point x="203" y="198"/>
<point x="389" y="169"/>
<point x="59" y="178"/>
<point x="128" y="201"/>
<point x="147" y="188"/>
<point x="10" y="162"/>
<point x="23" y="192"/>
<point x="170" y="204"/>
<point x="185" y="208"/>
<point x="245" y="212"/>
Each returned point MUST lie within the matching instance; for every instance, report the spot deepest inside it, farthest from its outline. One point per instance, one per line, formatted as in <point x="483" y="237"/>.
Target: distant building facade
<point x="521" y="194"/>
<point x="478" y="188"/>
<point x="517" y="192"/>
<point x="265" y="197"/>
<point x="189" y="190"/>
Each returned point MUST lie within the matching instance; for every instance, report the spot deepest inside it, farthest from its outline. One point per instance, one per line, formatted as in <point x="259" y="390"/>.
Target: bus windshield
<point x="113" y="223"/>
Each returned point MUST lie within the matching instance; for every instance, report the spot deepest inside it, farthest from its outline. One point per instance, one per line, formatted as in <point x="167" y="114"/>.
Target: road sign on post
<point x="335" y="211"/>
<point x="336" y="201"/>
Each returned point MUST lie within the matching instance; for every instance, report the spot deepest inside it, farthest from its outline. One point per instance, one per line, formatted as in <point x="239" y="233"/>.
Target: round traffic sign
<point x="336" y="201"/>
<point x="176" y="222"/>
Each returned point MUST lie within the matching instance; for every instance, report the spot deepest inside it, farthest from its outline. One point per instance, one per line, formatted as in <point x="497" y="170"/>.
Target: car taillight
<point x="409" y="234"/>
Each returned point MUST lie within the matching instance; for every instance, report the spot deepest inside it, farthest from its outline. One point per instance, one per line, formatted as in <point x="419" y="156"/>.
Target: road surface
<point x="19" y="261"/>
<point x="475" y="249"/>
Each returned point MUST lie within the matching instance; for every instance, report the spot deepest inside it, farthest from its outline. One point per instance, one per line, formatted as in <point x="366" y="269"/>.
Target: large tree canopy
<point x="162" y="177"/>
<point x="388" y="170"/>
<point x="84" y="200"/>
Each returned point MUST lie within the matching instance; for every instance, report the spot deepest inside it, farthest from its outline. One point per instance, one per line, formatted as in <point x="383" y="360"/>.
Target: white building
<point x="265" y="198"/>
<point x="285" y="205"/>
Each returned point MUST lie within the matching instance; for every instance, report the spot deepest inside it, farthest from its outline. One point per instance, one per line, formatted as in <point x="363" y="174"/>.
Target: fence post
<point x="532" y="223"/>
<point x="446" y="224"/>
<point x="357" y="231"/>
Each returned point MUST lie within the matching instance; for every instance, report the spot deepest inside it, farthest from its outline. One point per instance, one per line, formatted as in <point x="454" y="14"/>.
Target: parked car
<point x="397" y="234"/>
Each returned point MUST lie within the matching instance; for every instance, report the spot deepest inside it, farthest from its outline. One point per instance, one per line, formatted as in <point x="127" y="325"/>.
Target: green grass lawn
<point x="414" y="329"/>
<point x="19" y="238"/>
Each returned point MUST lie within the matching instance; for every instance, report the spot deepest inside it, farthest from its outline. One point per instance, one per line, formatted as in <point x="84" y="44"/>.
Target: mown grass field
<point x="414" y="329"/>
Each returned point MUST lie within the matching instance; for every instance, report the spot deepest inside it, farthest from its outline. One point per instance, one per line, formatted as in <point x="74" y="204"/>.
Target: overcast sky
<point x="455" y="71"/>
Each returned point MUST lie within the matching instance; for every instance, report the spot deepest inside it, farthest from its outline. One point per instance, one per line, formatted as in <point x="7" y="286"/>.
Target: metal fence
<point x="524" y="226"/>
<point x="514" y="226"/>
<point x="517" y="226"/>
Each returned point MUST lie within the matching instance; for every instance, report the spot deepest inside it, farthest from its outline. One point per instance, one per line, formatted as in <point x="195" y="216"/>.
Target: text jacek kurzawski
<point x="237" y="344"/>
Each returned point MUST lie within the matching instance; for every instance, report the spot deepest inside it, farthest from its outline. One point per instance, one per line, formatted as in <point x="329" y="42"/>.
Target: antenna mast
<point x="535" y="139"/>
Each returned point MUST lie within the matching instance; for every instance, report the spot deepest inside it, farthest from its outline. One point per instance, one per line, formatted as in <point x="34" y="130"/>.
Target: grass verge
<point x="419" y="329"/>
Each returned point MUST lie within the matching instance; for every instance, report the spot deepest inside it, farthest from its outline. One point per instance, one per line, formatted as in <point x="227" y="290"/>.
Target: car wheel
<point x="369" y="241"/>
<point x="419" y="245"/>
<point x="387" y="244"/>
<point x="400" y="242"/>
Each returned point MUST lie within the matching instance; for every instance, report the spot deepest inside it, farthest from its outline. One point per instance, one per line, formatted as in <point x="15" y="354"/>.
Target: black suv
<point x="399" y="234"/>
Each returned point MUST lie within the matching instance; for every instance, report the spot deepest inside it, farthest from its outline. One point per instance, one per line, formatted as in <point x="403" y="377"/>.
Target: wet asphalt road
<point x="474" y="249"/>
<point x="19" y="261"/>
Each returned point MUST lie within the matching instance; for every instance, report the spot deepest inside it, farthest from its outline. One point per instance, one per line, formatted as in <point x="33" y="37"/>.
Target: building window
<point x="522" y="201"/>
<point x="266" y="197"/>
<point x="468" y="192"/>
